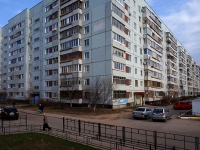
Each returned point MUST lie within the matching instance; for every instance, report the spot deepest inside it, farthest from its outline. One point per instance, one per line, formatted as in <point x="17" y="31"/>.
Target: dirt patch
<point x="101" y="113"/>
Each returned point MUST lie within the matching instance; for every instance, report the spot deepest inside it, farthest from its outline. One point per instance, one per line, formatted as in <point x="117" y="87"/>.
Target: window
<point x="140" y="30"/>
<point x="140" y="40"/>
<point x="86" y="17"/>
<point x="36" y="68"/>
<point x="135" y="26"/>
<point x="86" y="55"/>
<point x="135" y="48"/>
<point x="37" y="20"/>
<point x="36" y="30"/>
<point x="141" y="73"/>
<point x="119" y="52"/>
<point x="135" y="37"/>
<point x="36" y="39"/>
<point x="139" y="8"/>
<point x="139" y="19"/>
<point x="135" y="59"/>
<point x="136" y="83"/>
<point x="86" y="30"/>
<point x="36" y="87"/>
<point x="70" y="44"/>
<point x="135" y="70"/>
<point x="86" y="4"/>
<point x="36" y="58"/>
<point x="36" y="78"/>
<point x="70" y="19"/>
<point x="119" y="38"/>
<point x="86" y="42"/>
<point x="118" y="66"/>
<point x="133" y="2"/>
<point x="134" y="14"/>
<point x="140" y="61"/>
<point x="87" y="68"/>
<point x="141" y="83"/>
<point x="87" y="82"/>
<point x="36" y="49"/>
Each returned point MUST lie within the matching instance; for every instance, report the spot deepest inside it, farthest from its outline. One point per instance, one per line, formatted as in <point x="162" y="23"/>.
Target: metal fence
<point x="131" y="136"/>
<point x="89" y="140"/>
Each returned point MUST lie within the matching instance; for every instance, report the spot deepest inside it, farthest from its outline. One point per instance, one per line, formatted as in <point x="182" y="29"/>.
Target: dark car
<point x="10" y="112"/>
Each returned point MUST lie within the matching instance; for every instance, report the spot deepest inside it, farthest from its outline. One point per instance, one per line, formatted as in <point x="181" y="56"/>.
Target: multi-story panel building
<point x="56" y="43"/>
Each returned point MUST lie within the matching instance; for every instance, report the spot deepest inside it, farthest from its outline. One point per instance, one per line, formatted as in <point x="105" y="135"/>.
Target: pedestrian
<point x="45" y="124"/>
<point x="13" y="103"/>
<point x="40" y="108"/>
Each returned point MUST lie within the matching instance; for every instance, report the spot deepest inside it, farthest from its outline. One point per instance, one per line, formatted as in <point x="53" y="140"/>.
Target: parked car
<point x="183" y="105"/>
<point x="161" y="114"/>
<point x="142" y="112"/>
<point x="10" y="112"/>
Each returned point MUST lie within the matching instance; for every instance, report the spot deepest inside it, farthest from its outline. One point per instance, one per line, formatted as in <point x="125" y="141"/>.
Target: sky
<point x="181" y="16"/>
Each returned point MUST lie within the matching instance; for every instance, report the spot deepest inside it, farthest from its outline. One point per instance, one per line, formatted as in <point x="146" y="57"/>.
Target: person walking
<point x="45" y="124"/>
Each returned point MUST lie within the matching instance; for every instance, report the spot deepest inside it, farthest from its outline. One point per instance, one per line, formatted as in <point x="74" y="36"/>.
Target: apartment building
<point x="47" y="48"/>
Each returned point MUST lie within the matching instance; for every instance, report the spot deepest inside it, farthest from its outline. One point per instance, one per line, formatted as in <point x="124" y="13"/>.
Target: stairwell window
<point x="86" y="30"/>
<point x="87" y="68"/>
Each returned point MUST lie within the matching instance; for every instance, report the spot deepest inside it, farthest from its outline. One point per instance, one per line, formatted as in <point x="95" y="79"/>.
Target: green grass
<point x="37" y="141"/>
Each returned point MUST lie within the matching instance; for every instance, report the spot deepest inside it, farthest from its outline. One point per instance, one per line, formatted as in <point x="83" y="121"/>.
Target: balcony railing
<point x="169" y="35"/>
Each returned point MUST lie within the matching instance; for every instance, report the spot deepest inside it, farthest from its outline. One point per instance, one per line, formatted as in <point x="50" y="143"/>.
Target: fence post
<point x="2" y="122"/>
<point x="4" y="132"/>
<point x="196" y="143"/>
<point x="155" y="139"/>
<point x="63" y="124"/>
<point x="26" y="122"/>
<point x="79" y="127"/>
<point x="123" y="134"/>
<point x="99" y="130"/>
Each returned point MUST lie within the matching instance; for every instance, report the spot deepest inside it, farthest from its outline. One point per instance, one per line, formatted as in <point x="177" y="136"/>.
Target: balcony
<point x="170" y="37"/>
<point x="171" y="52"/>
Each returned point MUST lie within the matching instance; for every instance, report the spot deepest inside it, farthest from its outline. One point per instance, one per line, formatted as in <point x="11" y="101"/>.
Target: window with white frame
<point x="86" y="17"/>
<point x="140" y="61"/>
<point x="135" y="37"/>
<point x="141" y="83"/>
<point x="118" y="66"/>
<point x="135" y="59"/>
<point x="118" y="38"/>
<point x="86" y="4"/>
<point x="134" y="14"/>
<point x="86" y="30"/>
<point x="135" y="26"/>
<point x="141" y="72"/>
<point x="135" y="70"/>
<point x="86" y="55"/>
<point x="86" y="42"/>
<point x="87" y="68"/>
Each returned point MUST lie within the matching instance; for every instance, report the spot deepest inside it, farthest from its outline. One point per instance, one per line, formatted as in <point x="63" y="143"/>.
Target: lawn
<point x="38" y="141"/>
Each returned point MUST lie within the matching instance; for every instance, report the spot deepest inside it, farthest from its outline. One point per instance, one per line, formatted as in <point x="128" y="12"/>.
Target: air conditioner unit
<point x="144" y="63"/>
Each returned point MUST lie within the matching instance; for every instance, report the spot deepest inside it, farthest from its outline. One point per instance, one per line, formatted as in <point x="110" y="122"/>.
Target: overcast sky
<point x="181" y="16"/>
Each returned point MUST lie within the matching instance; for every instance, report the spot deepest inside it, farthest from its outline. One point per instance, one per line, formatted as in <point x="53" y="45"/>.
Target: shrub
<point x="165" y="100"/>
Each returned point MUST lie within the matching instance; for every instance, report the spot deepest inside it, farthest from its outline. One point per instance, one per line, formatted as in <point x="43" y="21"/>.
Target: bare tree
<point x="69" y="86"/>
<point x="99" y="91"/>
<point x="108" y="88"/>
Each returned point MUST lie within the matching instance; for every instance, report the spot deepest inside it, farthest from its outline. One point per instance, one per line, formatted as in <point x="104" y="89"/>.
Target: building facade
<point x="47" y="48"/>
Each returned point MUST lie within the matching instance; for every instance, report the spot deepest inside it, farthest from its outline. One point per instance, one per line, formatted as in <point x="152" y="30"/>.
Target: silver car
<point x="161" y="114"/>
<point x="142" y="112"/>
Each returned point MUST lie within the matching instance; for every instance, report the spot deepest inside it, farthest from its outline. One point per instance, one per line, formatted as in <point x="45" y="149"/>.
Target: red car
<point x="183" y="105"/>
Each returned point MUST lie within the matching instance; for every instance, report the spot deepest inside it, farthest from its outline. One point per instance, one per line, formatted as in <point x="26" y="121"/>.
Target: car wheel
<point x="165" y="120"/>
<point x="153" y="120"/>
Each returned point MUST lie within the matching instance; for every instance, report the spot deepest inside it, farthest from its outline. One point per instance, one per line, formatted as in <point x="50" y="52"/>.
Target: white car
<point x="142" y="112"/>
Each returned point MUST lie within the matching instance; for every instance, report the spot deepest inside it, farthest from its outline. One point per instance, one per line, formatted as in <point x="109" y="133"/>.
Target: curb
<point x="192" y="118"/>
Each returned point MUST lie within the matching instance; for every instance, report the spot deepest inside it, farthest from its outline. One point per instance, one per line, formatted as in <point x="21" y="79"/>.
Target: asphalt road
<point x="174" y="125"/>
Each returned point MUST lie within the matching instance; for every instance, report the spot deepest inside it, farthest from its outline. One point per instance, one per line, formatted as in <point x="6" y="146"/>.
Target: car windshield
<point x="140" y="109"/>
<point x="158" y="110"/>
